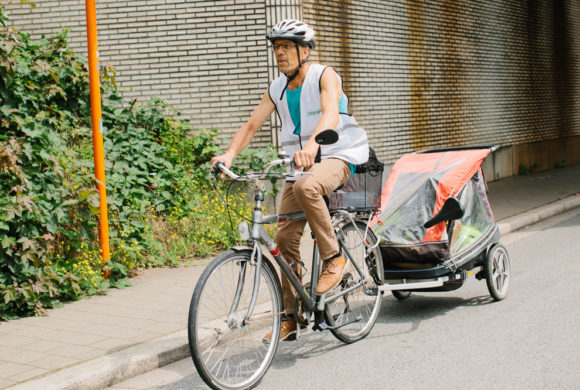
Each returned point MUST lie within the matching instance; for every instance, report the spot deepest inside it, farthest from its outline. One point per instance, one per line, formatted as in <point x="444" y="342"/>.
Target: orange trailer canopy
<point x="416" y="189"/>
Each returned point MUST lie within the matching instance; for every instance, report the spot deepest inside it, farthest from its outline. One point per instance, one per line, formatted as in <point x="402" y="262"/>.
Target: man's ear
<point x="305" y="53"/>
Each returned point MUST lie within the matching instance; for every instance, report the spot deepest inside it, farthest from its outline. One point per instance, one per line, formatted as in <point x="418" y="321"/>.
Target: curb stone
<point x="108" y="370"/>
<point x="538" y="214"/>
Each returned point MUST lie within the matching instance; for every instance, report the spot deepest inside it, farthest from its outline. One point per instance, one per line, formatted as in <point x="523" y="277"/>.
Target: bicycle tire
<point x="234" y="356"/>
<point x="356" y="303"/>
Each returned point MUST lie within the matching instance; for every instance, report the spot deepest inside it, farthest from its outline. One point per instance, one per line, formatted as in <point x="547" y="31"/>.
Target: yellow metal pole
<point x="97" y="124"/>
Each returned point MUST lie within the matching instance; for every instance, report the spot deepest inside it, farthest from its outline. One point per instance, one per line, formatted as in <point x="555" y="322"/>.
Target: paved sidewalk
<point x="99" y="341"/>
<point x="101" y="336"/>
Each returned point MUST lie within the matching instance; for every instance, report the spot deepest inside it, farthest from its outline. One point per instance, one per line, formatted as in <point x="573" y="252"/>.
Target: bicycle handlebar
<point x="326" y="137"/>
<point x="219" y="166"/>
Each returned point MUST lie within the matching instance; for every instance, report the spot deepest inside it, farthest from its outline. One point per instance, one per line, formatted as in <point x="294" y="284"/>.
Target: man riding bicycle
<point x="308" y="99"/>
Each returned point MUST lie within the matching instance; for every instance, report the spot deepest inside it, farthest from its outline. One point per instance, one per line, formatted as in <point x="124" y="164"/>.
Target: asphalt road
<point x="456" y="340"/>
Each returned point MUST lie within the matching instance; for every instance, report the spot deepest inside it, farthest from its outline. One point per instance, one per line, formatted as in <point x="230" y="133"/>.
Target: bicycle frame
<point x="259" y="236"/>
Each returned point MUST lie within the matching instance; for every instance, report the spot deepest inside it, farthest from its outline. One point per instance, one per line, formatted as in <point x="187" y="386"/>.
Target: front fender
<point x="265" y="259"/>
<point x="242" y="248"/>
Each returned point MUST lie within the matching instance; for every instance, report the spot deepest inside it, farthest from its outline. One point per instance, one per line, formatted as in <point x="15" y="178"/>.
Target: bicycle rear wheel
<point x="228" y="351"/>
<point x="357" y="309"/>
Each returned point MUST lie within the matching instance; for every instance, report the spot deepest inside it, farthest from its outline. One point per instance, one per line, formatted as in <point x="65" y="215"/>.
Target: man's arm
<point x="246" y="132"/>
<point x="330" y="93"/>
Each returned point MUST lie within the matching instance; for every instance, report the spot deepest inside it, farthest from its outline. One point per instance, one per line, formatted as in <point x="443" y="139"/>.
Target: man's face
<point x="287" y="56"/>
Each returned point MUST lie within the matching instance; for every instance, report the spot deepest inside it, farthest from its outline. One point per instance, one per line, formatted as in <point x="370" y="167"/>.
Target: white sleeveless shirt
<point x="352" y="145"/>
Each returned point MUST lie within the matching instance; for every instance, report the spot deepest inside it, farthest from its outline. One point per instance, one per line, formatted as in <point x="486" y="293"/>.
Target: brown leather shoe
<point x="287" y="331"/>
<point x="331" y="274"/>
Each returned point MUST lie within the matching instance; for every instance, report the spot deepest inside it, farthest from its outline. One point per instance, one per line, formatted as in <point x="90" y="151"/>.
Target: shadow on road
<point x="411" y="311"/>
<point x="420" y="308"/>
<point x="312" y="344"/>
<point x="424" y="307"/>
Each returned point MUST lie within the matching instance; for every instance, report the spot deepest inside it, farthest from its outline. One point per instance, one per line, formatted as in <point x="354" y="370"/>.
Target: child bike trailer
<point x="436" y="226"/>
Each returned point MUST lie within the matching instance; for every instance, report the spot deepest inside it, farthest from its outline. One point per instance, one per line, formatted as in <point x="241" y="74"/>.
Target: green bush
<point x="45" y="211"/>
<point x="161" y="209"/>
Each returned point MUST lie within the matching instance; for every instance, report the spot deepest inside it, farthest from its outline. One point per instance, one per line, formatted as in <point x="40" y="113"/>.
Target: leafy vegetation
<point x="161" y="208"/>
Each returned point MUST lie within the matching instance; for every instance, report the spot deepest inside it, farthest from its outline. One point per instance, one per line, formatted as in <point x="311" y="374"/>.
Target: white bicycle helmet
<point x="293" y="30"/>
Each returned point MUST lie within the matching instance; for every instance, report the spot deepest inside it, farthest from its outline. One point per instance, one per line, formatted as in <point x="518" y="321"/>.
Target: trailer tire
<point x="498" y="272"/>
<point x="401" y="294"/>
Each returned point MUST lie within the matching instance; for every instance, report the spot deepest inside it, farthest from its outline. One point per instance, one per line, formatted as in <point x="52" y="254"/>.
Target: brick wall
<point x="419" y="73"/>
<point x="208" y="58"/>
<point x="424" y="74"/>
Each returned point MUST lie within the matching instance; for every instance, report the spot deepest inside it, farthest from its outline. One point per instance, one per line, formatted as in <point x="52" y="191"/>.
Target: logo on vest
<point x="311" y="113"/>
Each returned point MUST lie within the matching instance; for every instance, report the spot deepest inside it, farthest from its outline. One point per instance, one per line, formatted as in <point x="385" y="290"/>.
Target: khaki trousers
<point x="306" y="194"/>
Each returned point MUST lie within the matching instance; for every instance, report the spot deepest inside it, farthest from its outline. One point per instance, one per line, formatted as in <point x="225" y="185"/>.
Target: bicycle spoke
<point x="354" y="314"/>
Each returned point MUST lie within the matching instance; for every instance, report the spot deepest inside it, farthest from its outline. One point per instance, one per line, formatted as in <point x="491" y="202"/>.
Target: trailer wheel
<point x="401" y="294"/>
<point x="498" y="272"/>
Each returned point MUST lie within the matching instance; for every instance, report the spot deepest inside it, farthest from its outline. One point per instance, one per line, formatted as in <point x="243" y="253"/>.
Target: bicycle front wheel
<point x="353" y="315"/>
<point x="228" y="350"/>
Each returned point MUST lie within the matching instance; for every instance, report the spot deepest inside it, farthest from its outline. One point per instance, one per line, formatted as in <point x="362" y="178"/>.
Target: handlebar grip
<point x="221" y="167"/>
<point x="216" y="168"/>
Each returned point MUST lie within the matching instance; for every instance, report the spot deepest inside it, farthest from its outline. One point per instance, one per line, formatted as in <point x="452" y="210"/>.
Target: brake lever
<point x="300" y="173"/>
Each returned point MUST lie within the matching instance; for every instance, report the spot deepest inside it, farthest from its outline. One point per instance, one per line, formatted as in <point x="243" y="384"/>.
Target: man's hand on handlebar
<point x="305" y="158"/>
<point x="225" y="159"/>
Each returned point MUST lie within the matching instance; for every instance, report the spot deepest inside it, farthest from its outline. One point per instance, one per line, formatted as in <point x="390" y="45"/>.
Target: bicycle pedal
<point x="324" y="326"/>
<point x="290" y="337"/>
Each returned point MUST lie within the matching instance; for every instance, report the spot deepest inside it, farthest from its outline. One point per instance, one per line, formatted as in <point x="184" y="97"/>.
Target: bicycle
<point x="238" y="298"/>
